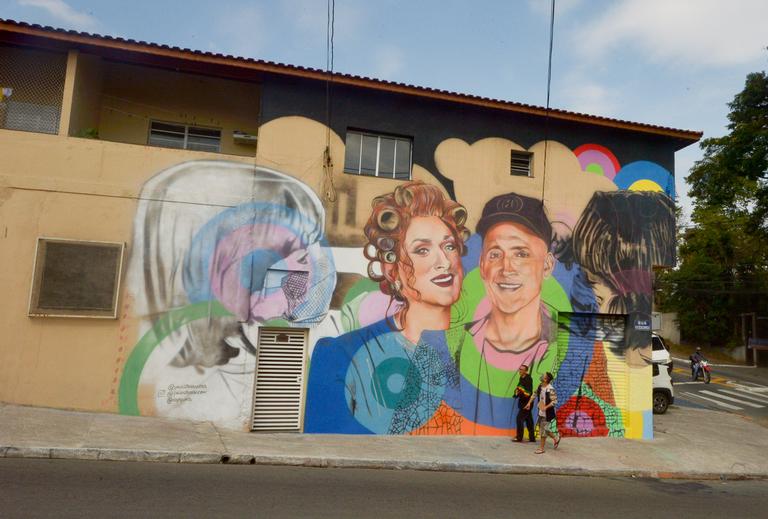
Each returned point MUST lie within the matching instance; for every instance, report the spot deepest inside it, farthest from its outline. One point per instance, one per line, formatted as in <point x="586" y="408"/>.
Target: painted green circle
<point x="474" y="368"/>
<point x="597" y="169"/>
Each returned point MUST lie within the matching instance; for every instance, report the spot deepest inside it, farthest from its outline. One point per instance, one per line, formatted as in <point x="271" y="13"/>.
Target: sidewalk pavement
<point x="688" y="444"/>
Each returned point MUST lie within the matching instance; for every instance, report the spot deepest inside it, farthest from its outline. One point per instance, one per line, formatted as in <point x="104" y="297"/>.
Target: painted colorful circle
<point x="394" y="387"/>
<point x="581" y="416"/>
<point x="643" y="175"/>
<point x="260" y="260"/>
<point x="597" y="159"/>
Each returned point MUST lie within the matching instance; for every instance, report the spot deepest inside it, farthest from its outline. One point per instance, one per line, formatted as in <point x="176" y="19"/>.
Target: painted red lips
<point x="443" y="280"/>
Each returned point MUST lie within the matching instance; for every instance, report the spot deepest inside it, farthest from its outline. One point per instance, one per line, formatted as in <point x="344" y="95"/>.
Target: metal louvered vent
<point x="520" y="163"/>
<point x="279" y="384"/>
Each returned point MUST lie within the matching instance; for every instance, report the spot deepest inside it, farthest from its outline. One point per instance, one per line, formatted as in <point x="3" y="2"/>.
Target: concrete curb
<point x="95" y="454"/>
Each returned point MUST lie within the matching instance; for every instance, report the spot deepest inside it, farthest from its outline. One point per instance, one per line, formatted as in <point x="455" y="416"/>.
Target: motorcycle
<point x="705" y="371"/>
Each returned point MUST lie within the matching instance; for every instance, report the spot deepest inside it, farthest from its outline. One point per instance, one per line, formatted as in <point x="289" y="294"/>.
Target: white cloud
<point x="698" y="32"/>
<point x="63" y="12"/>
<point x="388" y="62"/>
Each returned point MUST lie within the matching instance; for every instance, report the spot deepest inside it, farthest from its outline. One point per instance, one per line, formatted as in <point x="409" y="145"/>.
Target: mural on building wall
<point x="422" y="330"/>
<point x="219" y="248"/>
<point x="435" y="337"/>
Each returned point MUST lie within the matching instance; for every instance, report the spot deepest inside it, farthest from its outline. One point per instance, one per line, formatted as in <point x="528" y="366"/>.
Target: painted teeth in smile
<point x="509" y="286"/>
<point x="443" y="279"/>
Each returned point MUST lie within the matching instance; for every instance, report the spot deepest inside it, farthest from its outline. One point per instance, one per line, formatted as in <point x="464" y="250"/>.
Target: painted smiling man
<point x="514" y="326"/>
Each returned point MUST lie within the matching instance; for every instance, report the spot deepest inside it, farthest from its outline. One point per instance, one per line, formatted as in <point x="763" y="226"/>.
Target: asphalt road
<point x="736" y="390"/>
<point x="61" y="488"/>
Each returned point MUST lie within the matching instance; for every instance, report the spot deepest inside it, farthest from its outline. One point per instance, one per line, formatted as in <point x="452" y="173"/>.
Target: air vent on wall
<point x="520" y="163"/>
<point x="243" y="137"/>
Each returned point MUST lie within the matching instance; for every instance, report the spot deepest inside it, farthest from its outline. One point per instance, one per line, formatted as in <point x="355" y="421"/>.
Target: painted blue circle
<point x="253" y="268"/>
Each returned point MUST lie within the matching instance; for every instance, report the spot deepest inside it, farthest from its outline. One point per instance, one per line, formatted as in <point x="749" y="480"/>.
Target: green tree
<point x="723" y="257"/>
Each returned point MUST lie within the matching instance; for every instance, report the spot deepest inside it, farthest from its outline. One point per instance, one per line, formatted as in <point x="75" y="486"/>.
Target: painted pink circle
<point x="580" y="422"/>
<point x="374" y="307"/>
<point x="588" y="157"/>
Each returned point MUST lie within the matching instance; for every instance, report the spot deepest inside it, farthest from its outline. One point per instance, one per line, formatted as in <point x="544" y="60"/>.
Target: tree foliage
<point x="723" y="257"/>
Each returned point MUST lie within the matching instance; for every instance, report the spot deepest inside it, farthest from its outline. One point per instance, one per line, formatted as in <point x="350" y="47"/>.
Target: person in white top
<point x="547" y="401"/>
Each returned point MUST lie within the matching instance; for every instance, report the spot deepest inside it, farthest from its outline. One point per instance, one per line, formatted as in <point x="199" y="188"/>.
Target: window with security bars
<point x="374" y="155"/>
<point x="31" y="89"/>
<point x="520" y="163"/>
<point x="184" y="137"/>
<point x="74" y="278"/>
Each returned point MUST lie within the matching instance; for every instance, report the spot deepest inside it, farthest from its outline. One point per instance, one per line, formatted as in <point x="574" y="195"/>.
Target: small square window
<point x="76" y="278"/>
<point x="520" y="163"/>
<point x="375" y="155"/>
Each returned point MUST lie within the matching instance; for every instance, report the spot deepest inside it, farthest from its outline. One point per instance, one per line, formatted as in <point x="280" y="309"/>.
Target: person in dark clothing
<point x="524" y="395"/>
<point x="696" y="359"/>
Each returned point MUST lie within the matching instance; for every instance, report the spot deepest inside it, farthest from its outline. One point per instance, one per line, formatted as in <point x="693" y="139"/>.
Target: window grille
<point x="76" y="278"/>
<point x="374" y="155"/>
<point x="183" y="137"/>
<point x="31" y="89"/>
<point x="520" y="163"/>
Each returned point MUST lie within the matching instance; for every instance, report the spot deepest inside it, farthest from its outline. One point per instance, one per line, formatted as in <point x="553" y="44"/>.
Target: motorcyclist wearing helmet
<point x="696" y="359"/>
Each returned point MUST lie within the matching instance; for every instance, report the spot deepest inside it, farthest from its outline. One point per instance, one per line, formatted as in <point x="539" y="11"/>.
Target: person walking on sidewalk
<point x="547" y="401"/>
<point x="524" y="395"/>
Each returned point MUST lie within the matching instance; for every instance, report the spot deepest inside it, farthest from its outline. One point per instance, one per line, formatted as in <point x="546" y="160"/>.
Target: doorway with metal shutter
<point x="278" y="389"/>
<point x="592" y="376"/>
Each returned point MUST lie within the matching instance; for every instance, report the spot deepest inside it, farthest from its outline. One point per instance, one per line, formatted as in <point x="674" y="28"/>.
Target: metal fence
<point x="31" y="89"/>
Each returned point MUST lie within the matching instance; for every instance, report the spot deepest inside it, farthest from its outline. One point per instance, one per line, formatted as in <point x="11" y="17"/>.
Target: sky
<point x="674" y="63"/>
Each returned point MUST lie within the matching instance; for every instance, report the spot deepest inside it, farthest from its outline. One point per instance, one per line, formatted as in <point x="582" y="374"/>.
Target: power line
<point x="329" y="189"/>
<point x="549" y="88"/>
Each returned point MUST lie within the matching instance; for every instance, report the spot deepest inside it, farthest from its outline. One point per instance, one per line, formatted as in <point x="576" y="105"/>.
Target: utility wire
<point x="549" y="87"/>
<point x="329" y="190"/>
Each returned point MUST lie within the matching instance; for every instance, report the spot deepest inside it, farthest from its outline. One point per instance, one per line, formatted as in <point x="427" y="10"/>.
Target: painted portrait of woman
<point x="386" y="378"/>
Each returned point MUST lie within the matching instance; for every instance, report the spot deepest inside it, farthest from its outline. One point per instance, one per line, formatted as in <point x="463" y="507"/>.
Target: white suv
<point x="659" y="350"/>
<point x="663" y="391"/>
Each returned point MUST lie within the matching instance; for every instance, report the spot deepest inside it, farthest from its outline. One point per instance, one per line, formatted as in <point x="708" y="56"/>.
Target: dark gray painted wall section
<point x="429" y="122"/>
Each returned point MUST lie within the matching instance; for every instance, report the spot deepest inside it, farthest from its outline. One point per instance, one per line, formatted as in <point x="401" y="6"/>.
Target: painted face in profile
<point x="434" y="253"/>
<point x="513" y="266"/>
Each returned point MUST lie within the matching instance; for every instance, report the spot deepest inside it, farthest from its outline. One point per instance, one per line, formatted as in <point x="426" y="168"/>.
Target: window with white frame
<point x="184" y="137"/>
<point x="375" y="155"/>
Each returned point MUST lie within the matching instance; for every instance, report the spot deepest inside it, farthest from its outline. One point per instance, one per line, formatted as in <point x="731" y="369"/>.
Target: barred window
<point x="520" y="163"/>
<point x="184" y="137"/>
<point x="31" y="89"/>
<point x="375" y="155"/>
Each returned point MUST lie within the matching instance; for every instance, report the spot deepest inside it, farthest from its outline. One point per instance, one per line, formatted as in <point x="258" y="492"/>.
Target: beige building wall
<point x="86" y="101"/>
<point x="64" y="187"/>
<point x="132" y="96"/>
<point x="87" y="189"/>
<point x="295" y="145"/>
